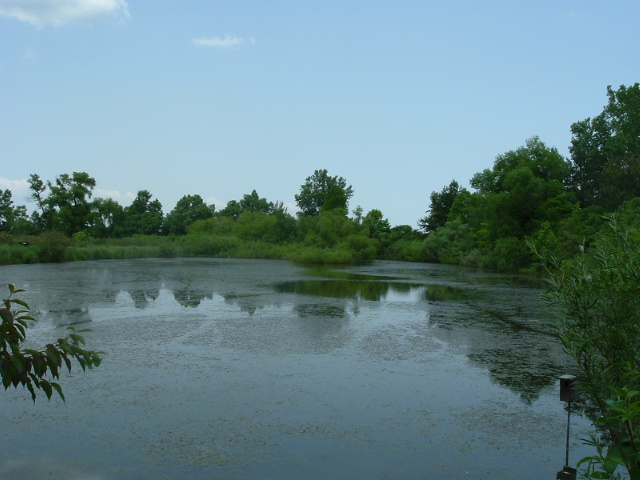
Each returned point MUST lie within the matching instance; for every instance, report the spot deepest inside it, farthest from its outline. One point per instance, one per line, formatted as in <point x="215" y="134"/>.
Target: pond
<point x="261" y="369"/>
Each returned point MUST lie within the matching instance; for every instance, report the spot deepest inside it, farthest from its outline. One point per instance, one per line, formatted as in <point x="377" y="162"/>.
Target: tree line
<point x="531" y="197"/>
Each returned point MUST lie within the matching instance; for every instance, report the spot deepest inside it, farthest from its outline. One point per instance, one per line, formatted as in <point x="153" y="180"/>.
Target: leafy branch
<point x="37" y="369"/>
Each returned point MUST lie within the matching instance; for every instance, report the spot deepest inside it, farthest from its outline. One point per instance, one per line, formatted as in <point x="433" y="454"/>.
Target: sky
<point x="218" y="98"/>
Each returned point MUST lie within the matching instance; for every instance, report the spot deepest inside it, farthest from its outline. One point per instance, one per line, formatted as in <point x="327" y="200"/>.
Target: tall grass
<point x="54" y="247"/>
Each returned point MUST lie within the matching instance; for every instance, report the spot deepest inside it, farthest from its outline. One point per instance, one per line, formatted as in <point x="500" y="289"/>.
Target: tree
<point x="376" y="223"/>
<point x="358" y="215"/>
<point x="255" y="225"/>
<point x="36" y="369"/>
<point x="43" y="220"/>
<point x="313" y="193"/>
<point x="232" y="210"/>
<point x="605" y="151"/>
<point x="336" y="201"/>
<point x="441" y="204"/>
<point x="525" y="187"/>
<point x="144" y="216"/>
<point x="188" y="209"/>
<point x="69" y="197"/>
<point x="253" y="203"/>
<point x="12" y="219"/>
<point x="107" y="218"/>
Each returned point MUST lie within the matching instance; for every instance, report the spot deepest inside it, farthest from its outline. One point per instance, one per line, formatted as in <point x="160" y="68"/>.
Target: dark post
<point x="567" y="394"/>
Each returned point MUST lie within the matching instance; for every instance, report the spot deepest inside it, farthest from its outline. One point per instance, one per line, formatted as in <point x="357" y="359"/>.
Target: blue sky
<point x="218" y="98"/>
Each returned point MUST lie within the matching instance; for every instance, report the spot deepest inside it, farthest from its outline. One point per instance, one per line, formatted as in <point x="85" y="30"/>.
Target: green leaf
<point x="21" y="302"/>
<point x="77" y="339"/>
<point x="19" y="364"/>
<point x="6" y="315"/>
<point x="46" y="386"/>
<point x="6" y="378"/>
<point x="599" y="474"/>
<point x="59" y="390"/>
<point x="32" y="390"/>
<point x="67" y="362"/>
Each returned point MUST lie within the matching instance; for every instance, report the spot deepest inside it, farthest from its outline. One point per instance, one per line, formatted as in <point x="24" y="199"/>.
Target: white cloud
<point x="222" y="42"/>
<point x="19" y="190"/>
<point x="13" y="184"/>
<point x="62" y="12"/>
<point x="219" y="204"/>
<point x="122" y="198"/>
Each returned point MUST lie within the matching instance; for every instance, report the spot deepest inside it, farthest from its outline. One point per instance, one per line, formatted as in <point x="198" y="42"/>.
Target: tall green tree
<point x="313" y="193"/>
<point x="336" y="201"/>
<point x="144" y="216"/>
<point x="13" y="218"/>
<point x="107" y="219"/>
<point x="188" y="209"/>
<point x="42" y="219"/>
<point x="232" y="210"/>
<point x="254" y="203"/>
<point x="605" y="151"/>
<point x="375" y="222"/>
<point x="525" y="187"/>
<point x="439" y="208"/>
<point x="69" y="197"/>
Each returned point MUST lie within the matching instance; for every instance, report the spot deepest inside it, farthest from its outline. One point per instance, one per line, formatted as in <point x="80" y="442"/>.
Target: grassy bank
<point x="55" y="247"/>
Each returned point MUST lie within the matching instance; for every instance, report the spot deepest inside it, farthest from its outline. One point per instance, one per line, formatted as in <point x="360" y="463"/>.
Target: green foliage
<point x="143" y="216"/>
<point x="189" y="209"/>
<point x="285" y="229"/>
<point x="605" y="152"/>
<point x="36" y="369"/>
<point x="362" y="248"/>
<point x="451" y="244"/>
<point x="12" y="218"/>
<point x="250" y="203"/>
<point x="200" y="245"/>
<point x="530" y="195"/>
<point x="254" y="203"/>
<point x="68" y="202"/>
<point x="522" y="198"/>
<point x="232" y="210"/>
<point x="52" y="246"/>
<point x="108" y="218"/>
<point x="13" y="254"/>
<point x="400" y="243"/>
<point x="598" y="297"/>
<point x="440" y="207"/>
<point x="336" y="200"/>
<point x="255" y="225"/>
<point x="313" y="193"/>
<point x="624" y="454"/>
<point x="216" y="225"/>
<point x="509" y="255"/>
<point x="326" y="230"/>
<point x="525" y="187"/>
<point x="376" y="224"/>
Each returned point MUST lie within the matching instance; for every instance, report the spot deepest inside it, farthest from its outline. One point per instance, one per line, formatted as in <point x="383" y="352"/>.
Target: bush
<point x="52" y="246"/>
<point x="510" y="254"/>
<point x="598" y="296"/>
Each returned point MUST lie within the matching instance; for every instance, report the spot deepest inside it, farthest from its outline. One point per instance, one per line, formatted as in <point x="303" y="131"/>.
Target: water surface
<point x="255" y="369"/>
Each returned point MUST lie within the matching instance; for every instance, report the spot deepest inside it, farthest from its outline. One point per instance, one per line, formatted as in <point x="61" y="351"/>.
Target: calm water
<point x="251" y="369"/>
